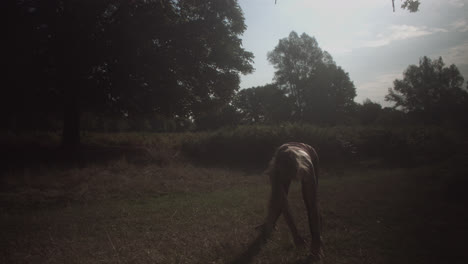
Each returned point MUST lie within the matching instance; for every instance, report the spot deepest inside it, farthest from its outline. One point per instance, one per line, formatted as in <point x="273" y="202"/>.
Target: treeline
<point x="429" y="94"/>
<point x="118" y="60"/>
<point x="168" y="66"/>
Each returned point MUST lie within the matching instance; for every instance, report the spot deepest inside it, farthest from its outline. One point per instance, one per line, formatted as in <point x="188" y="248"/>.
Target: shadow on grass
<point x="13" y="157"/>
<point x="252" y="250"/>
<point x="256" y="245"/>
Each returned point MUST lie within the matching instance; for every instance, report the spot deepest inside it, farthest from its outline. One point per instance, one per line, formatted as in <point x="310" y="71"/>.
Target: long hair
<point x="292" y="161"/>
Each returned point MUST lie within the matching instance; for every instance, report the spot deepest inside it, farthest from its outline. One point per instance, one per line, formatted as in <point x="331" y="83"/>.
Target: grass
<point x="166" y="223"/>
<point x="121" y="212"/>
<point x="242" y="146"/>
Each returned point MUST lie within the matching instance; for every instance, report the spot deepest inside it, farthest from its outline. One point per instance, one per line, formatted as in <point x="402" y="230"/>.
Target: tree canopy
<point x="430" y="89"/>
<point x="320" y="90"/>
<point x="141" y="57"/>
<point x="263" y="104"/>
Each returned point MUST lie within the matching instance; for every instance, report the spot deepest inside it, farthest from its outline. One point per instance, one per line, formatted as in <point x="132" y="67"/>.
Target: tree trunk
<point x="70" y="81"/>
<point x="71" y="123"/>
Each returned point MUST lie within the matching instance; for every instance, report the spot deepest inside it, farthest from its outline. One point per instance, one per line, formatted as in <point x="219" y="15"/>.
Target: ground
<point x="128" y="212"/>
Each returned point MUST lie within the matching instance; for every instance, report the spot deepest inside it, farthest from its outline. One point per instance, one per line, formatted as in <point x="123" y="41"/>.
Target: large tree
<point x="321" y="90"/>
<point x="140" y="57"/>
<point x="430" y="90"/>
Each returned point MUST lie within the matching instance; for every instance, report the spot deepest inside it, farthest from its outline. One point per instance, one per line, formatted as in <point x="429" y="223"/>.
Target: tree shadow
<point x="14" y="157"/>
<point x="252" y="250"/>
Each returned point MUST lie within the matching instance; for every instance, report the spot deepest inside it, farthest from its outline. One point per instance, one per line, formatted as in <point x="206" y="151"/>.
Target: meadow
<point x="387" y="196"/>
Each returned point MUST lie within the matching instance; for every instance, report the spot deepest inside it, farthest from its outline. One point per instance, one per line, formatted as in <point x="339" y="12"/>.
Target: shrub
<point x="253" y="145"/>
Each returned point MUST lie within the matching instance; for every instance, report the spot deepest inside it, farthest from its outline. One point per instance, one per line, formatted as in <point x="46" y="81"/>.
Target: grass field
<point x="124" y="212"/>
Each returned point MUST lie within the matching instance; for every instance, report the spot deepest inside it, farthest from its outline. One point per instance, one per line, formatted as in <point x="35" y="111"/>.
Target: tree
<point x="263" y="104"/>
<point x="321" y="90"/>
<point x="330" y="97"/>
<point x="369" y="112"/>
<point x="411" y="5"/>
<point x="430" y="90"/>
<point x="226" y="115"/>
<point x="140" y="57"/>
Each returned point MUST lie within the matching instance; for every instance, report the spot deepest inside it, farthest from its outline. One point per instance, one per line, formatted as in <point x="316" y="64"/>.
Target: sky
<point x="365" y="37"/>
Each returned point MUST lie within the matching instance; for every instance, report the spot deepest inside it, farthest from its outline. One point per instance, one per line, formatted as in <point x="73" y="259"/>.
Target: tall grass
<point x="250" y="145"/>
<point x="253" y="145"/>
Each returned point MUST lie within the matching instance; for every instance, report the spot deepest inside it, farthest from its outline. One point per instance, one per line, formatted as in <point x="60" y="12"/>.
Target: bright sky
<point x="369" y="41"/>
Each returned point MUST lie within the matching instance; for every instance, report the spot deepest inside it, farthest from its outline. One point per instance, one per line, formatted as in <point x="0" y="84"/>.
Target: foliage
<point x="411" y="5"/>
<point x="321" y="90"/>
<point x="263" y="104"/>
<point x="369" y="112"/>
<point x="407" y="146"/>
<point x="219" y="117"/>
<point x="253" y="146"/>
<point x="91" y="122"/>
<point x="170" y="58"/>
<point x="248" y="146"/>
<point x="392" y="117"/>
<point x="431" y="91"/>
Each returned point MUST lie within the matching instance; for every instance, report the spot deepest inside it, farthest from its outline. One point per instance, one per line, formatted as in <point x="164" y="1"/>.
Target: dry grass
<point x="121" y="212"/>
<point x="119" y="179"/>
<point x="179" y="213"/>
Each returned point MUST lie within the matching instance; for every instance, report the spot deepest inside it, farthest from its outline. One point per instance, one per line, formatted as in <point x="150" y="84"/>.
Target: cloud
<point x="456" y="3"/>
<point x="337" y="49"/>
<point x="337" y="4"/>
<point x="376" y="88"/>
<point x="439" y="3"/>
<point x="401" y="32"/>
<point x="457" y="55"/>
<point x="460" y="25"/>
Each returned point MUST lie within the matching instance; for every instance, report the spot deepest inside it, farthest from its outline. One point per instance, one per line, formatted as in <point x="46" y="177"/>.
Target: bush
<point x="253" y="146"/>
